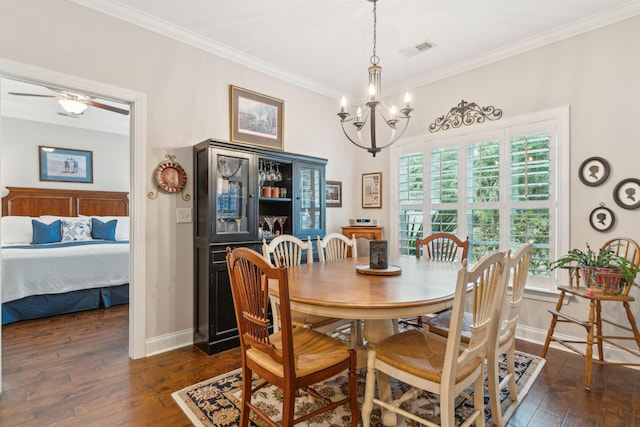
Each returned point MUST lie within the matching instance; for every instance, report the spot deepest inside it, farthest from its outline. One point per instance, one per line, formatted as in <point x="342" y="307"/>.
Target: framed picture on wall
<point x="256" y="119"/>
<point x="594" y="171"/>
<point x="372" y="190"/>
<point x="65" y="164"/>
<point x="626" y="194"/>
<point x="333" y="191"/>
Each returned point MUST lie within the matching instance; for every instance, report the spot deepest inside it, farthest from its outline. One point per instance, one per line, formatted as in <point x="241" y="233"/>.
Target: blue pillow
<point x="103" y="230"/>
<point x="46" y="233"/>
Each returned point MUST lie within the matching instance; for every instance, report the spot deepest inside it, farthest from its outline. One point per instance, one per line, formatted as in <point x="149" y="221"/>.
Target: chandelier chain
<point x="374" y="58"/>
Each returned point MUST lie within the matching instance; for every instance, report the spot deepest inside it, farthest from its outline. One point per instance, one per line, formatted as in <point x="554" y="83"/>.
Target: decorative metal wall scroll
<point x="601" y="218"/>
<point x="594" y="171"/>
<point x="627" y="193"/>
<point x="170" y="178"/>
<point x="466" y="113"/>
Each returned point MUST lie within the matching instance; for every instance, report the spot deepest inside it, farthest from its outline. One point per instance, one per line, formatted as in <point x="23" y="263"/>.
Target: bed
<point x="63" y="251"/>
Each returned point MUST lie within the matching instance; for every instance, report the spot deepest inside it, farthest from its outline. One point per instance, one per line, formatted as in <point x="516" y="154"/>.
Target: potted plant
<point x="605" y="260"/>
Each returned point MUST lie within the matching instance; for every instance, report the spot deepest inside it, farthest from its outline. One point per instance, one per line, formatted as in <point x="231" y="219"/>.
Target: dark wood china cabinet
<point x="242" y="194"/>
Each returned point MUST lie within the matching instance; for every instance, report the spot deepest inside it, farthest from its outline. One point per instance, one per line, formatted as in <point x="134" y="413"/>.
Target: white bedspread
<point x="28" y="272"/>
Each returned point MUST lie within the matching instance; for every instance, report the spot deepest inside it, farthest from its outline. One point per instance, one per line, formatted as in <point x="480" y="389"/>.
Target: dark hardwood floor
<point x="74" y="370"/>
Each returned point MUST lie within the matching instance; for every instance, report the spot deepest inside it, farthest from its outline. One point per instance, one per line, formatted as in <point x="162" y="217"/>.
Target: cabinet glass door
<point x="232" y="195"/>
<point x="310" y="198"/>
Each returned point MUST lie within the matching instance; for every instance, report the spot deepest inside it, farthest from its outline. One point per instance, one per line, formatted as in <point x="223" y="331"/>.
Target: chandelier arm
<point x="351" y="140"/>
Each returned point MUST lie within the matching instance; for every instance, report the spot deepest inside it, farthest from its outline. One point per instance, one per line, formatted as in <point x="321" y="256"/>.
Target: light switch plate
<point x="183" y="215"/>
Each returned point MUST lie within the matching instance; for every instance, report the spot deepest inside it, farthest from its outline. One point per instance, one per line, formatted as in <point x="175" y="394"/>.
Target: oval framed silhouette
<point x="594" y="171"/>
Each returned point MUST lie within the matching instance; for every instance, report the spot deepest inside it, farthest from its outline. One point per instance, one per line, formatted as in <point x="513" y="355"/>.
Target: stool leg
<point x="589" y="353"/>
<point x="552" y="326"/>
<point x="598" y="335"/>
<point x="632" y="322"/>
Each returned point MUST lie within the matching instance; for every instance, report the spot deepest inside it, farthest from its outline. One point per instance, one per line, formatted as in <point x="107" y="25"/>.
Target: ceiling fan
<point x="74" y="103"/>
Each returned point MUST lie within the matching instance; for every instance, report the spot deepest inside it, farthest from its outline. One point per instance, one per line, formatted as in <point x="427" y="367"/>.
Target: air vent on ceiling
<point x="75" y="116"/>
<point x="417" y="49"/>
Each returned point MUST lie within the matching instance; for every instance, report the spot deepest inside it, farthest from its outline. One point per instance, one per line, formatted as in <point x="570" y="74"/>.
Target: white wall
<point x="19" y="143"/>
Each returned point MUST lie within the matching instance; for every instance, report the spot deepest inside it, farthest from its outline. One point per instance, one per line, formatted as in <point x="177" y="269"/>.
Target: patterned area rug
<point x="216" y="401"/>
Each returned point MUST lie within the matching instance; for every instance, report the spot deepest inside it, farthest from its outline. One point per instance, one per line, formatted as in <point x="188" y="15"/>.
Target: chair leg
<point x="246" y="396"/>
<point x="478" y="401"/>
<point x="367" y="405"/>
<point x="353" y="390"/>
<point x="493" y="381"/>
<point x="288" y="405"/>
<point x="552" y="325"/>
<point x="511" y="371"/>
<point x="589" y="351"/>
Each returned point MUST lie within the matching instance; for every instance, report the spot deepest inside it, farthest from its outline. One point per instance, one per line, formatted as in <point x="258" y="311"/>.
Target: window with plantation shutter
<point x="502" y="188"/>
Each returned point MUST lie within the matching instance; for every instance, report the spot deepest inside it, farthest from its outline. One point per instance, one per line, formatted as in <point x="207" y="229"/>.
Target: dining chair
<point x="629" y="249"/>
<point x="291" y="359"/>
<point x="503" y="341"/>
<point x="440" y="247"/>
<point x="426" y="361"/>
<point x="286" y="250"/>
<point x="336" y="246"/>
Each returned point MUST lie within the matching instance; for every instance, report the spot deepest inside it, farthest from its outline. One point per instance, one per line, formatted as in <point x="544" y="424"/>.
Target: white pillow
<point x="76" y="229"/>
<point x="17" y="230"/>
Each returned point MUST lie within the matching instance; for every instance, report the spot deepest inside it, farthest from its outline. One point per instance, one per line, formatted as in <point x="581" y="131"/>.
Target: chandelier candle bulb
<point x="407" y="100"/>
<point x="343" y="104"/>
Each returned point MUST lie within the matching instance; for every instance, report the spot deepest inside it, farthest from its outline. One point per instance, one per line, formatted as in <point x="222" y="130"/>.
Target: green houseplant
<point x="604" y="259"/>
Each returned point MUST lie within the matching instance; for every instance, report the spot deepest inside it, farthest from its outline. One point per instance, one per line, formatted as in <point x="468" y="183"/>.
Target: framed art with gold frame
<point x="256" y="119"/>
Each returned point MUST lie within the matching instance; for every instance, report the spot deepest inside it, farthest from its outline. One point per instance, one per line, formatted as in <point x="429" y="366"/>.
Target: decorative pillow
<point x="46" y="233"/>
<point x="103" y="230"/>
<point x="76" y="229"/>
<point x="17" y="230"/>
<point x="122" y="227"/>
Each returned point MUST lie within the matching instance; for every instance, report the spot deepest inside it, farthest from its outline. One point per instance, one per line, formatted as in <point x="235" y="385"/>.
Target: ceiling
<point x="325" y="45"/>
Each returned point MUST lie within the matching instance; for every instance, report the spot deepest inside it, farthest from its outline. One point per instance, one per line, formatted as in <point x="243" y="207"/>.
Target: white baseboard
<point x="611" y="353"/>
<point x="168" y="342"/>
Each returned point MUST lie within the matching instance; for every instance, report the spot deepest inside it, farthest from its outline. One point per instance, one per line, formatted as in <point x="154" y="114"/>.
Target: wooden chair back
<point x="285" y="250"/>
<point x="442" y="247"/>
<point x="485" y="283"/>
<point x="336" y="246"/>
<point x="519" y="266"/>
<point x="249" y="274"/>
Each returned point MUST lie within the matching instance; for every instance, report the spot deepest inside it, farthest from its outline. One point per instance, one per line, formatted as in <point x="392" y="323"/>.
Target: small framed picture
<point x="594" y="171"/>
<point x="333" y="192"/>
<point x="602" y="219"/>
<point x="256" y="119"/>
<point x="378" y="254"/>
<point x="627" y="193"/>
<point x="372" y="190"/>
<point x="65" y="164"/>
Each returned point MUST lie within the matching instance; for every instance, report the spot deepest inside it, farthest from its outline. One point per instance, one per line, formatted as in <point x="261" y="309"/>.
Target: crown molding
<point x="134" y="16"/>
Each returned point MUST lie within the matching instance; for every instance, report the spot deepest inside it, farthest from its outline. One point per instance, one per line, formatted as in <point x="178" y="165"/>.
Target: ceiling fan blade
<point x="33" y="94"/>
<point x="108" y="107"/>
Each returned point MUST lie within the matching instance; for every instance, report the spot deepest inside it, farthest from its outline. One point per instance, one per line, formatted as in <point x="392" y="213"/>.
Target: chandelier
<point x="375" y="106"/>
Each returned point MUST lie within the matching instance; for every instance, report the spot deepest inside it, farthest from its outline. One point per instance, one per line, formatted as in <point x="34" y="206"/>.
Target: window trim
<point x="560" y="169"/>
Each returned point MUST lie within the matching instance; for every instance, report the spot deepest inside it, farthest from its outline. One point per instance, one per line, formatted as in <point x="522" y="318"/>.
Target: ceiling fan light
<point x="72" y="106"/>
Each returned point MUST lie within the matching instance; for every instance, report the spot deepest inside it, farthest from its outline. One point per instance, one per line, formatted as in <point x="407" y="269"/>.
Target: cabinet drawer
<point x="219" y="252"/>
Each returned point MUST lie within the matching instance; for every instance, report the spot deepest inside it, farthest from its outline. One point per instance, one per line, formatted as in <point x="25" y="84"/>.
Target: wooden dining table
<point x="337" y="289"/>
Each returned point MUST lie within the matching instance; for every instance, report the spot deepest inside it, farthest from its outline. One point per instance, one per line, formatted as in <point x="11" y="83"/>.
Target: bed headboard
<point x="50" y="201"/>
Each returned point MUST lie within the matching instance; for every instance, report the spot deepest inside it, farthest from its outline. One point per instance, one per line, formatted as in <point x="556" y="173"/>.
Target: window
<point x="503" y="187"/>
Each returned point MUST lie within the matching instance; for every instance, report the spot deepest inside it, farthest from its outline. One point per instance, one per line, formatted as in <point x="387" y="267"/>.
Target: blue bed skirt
<point x="37" y="306"/>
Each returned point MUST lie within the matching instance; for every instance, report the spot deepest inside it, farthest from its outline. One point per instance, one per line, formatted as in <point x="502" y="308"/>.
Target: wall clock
<point x="594" y="171"/>
<point x="602" y="219"/>
<point x="627" y="193"/>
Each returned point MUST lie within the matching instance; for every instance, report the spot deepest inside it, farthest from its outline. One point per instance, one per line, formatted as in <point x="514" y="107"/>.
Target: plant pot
<point x="603" y="280"/>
